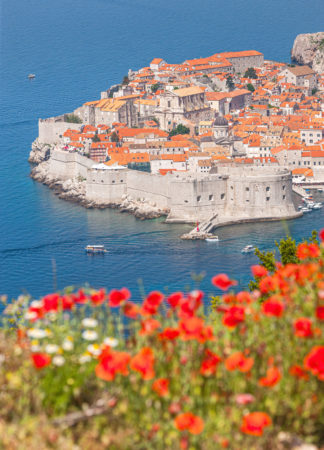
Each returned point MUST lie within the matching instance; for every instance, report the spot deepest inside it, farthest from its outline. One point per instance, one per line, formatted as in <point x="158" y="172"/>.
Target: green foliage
<point x="72" y="118"/>
<point x="155" y="87"/>
<point x="156" y="121"/>
<point x="180" y="129"/>
<point x="125" y="80"/>
<point x="114" y="137"/>
<point x="95" y="138"/>
<point x="250" y="73"/>
<point x="230" y="83"/>
<point x="250" y="87"/>
<point x="314" y="90"/>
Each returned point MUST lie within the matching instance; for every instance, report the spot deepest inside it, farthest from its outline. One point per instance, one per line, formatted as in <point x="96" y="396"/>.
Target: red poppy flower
<point x="244" y="399"/>
<point x="97" y="298"/>
<point x="41" y="360"/>
<point x="143" y="362"/>
<point x="273" y="307"/>
<point x="320" y="312"/>
<point x="259" y="271"/>
<point x="149" y="326"/>
<point x="111" y="363"/>
<point x="233" y="316"/>
<point x="244" y="297"/>
<point x="161" y="386"/>
<point x="169" y="334"/>
<point x="298" y="372"/>
<point x="268" y="284"/>
<point x="37" y="311"/>
<point x="237" y="361"/>
<point x="152" y="302"/>
<point x="117" y="297"/>
<point x="188" y="421"/>
<point x="174" y="299"/>
<point x="254" y="423"/>
<point x="321" y="234"/>
<point x="131" y="310"/>
<point x="67" y="302"/>
<point x="193" y="328"/>
<point x="51" y="302"/>
<point x="314" y="362"/>
<point x="190" y="304"/>
<point x="305" y="251"/>
<point x="303" y="327"/>
<point x="209" y="364"/>
<point x="272" y="378"/>
<point x="80" y="297"/>
<point x="223" y="282"/>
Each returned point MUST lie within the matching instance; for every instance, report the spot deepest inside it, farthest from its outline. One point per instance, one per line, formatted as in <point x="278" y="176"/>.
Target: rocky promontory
<point x="74" y="190"/>
<point x="39" y="152"/>
<point x="308" y="49"/>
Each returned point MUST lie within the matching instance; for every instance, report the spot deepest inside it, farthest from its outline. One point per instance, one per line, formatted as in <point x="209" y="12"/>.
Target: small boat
<point x="248" y="249"/>
<point x="306" y="210"/>
<point x="310" y="205"/>
<point x="319" y="190"/>
<point x="31" y="76"/>
<point x="318" y="205"/>
<point x="95" y="249"/>
<point x="212" y="239"/>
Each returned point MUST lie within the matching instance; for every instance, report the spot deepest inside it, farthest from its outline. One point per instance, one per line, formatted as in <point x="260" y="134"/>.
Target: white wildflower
<point x="111" y="342"/>
<point x="84" y="358"/>
<point x="90" y="335"/>
<point x="30" y="315"/>
<point x="89" y="322"/>
<point x="67" y="345"/>
<point x="51" y="348"/>
<point x="35" y="348"/>
<point x="94" y="349"/>
<point x="37" y="333"/>
<point x="36" y="304"/>
<point x="58" y="360"/>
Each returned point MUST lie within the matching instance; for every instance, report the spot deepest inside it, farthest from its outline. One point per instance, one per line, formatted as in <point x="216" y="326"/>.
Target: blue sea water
<point x="77" y="49"/>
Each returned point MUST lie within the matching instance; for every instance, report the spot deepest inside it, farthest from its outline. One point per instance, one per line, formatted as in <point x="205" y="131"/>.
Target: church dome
<point x="220" y="122"/>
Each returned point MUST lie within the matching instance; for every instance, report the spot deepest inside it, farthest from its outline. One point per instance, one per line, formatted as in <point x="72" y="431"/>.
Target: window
<point x="198" y="198"/>
<point x="113" y="181"/>
<point x="121" y="181"/>
<point x="247" y="200"/>
<point x="211" y="197"/>
<point x="283" y="187"/>
<point x="169" y="104"/>
<point x="186" y="201"/>
<point x="268" y="198"/>
<point x="247" y="189"/>
<point x="222" y="196"/>
<point x="232" y="187"/>
<point x="268" y="188"/>
<point x="283" y="197"/>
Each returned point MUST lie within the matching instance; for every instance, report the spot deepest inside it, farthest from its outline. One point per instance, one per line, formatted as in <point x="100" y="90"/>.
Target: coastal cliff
<point x="309" y="49"/>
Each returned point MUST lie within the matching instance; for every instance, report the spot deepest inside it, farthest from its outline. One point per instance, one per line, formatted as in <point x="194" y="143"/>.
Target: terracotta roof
<point x="301" y="70"/>
<point x="193" y="90"/>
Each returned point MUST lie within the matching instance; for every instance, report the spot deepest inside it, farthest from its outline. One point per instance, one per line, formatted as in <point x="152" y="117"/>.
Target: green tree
<point x="125" y="80"/>
<point x="72" y="118"/>
<point x="230" y="83"/>
<point x="95" y="138"/>
<point x="314" y="90"/>
<point x="114" y="137"/>
<point x="250" y="87"/>
<point x="251" y="73"/>
<point x="180" y="129"/>
<point x="155" y="87"/>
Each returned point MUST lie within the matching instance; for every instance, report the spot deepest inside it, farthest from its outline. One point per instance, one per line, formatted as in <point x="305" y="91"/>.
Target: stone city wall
<point x="51" y="130"/>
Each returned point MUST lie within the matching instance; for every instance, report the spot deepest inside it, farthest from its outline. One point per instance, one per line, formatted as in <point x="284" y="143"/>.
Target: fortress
<point x="228" y="194"/>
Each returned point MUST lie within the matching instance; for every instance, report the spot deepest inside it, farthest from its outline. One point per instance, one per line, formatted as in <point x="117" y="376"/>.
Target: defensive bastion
<point x="229" y="195"/>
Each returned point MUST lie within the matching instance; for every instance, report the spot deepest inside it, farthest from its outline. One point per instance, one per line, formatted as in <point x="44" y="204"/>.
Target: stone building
<point x="182" y="104"/>
<point x="241" y="61"/>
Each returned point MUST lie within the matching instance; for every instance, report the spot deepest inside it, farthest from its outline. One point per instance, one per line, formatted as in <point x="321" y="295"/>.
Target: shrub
<point x="72" y="118"/>
<point x="173" y="377"/>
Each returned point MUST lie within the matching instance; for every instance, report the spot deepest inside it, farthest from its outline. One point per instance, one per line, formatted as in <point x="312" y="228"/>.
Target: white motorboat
<point x="319" y="190"/>
<point x="248" y="249"/>
<point x="306" y="210"/>
<point x="212" y="239"/>
<point x="95" y="249"/>
<point x="318" y="205"/>
<point x="31" y="76"/>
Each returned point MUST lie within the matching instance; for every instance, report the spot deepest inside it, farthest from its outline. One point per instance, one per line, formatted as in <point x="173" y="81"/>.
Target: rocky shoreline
<point x="74" y="189"/>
